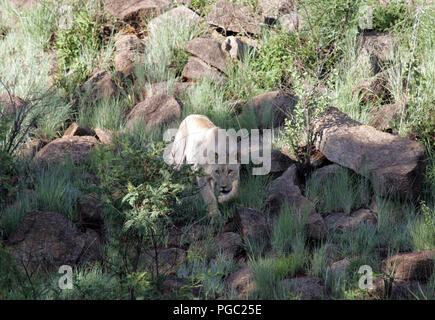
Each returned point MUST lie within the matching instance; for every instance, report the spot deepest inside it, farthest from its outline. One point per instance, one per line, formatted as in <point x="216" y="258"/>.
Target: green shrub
<point x="80" y="39"/>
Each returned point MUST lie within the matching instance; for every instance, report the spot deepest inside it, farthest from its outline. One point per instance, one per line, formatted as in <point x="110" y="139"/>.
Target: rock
<point x="10" y="104"/>
<point x="104" y="136"/>
<point x="26" y="4"/>
<point x="176" y="16"/>
<point x="284" y="190"/>
<point x="234" y="17"/>
<point x="44" y="241"/>
<point x="75" y="130"/>
<point x="32" y="147"/>
<point x="129" y="52"/>
<point x="241" y="283"/>
<point x="271" y="108"/>
<point x="170" y="88"/>
<point x="100" y="85"/>
<point x="342" y="222"/>
<point x="392" y="163"/>
<point x="234" y="47"/>
<point x="407" y="290"/>
<point x="306" y="288"/>
<point x="130" y="10"/>
<point x="90" y="212"/>
<point x="340" y="267"/>
<point x="280" y="162"/>
<point x="410" y="266"/>
<point x="323" y="174"/>
<point x="77" y="148"/>
<point x="168" y="260"/>
<point x="208" y="50"/>
<point x="374" y="89"/>
<point x="273" y="9"/>
<point x="252" y="224"/>
<point x="196" y="69"/>
<point x="382" y="116"/>
<point x="229" y="244"/>
<point x="378" y="46"/>
<point x="155" y="111"/>
<point x="291" y="22"/>
<point x="170" y="286"/>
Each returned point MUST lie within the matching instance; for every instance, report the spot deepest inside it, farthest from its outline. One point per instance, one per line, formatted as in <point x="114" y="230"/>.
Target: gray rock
<point x="283" y="190"/>
<point x="252" y="224"/>
<point x="271" y="108"/>
<point x="273" y="9"/>
<point x="392" y="163"/>
<point x="134" y="9"/>
<point x="196" y="69"/>
<point x="241" y="283"/>
<point x="342" y="222"/>
<point x="410" y="266"/>
<point x="155" y="111"/>
<point x="306" y="288"/>
<point x="129" y="52"/>
<point x="208" y="50"/>
<point x="176" y="16"/>
<point x="76" y="148"/>
<point x="234" y="17"/>
<point x="44" y="241"/>
<point x="100" y="85"/>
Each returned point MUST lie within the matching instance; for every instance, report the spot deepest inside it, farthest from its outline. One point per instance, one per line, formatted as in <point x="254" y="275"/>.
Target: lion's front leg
<point x="206" y="187"/>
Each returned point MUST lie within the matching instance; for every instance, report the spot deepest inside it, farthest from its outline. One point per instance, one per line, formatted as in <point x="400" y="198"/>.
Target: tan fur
<point x="194" y="134"/>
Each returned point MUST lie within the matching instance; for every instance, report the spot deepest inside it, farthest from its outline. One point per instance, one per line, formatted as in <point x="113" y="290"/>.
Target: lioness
<point x="203" y="145"/>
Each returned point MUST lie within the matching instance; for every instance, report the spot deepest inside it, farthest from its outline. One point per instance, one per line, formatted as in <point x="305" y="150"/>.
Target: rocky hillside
<point x="88" y="90"/>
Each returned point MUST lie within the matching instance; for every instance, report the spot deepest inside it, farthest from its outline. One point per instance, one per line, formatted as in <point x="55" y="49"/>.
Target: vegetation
<point x="143" y="199"/>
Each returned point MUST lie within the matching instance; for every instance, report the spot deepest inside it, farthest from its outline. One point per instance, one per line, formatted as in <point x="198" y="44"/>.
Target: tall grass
<point x="343" y="191"/>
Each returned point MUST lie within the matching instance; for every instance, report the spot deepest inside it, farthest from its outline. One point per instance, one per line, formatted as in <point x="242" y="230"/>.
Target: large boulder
<point x="343" y="222"/>
<point x="208" y="50"/>
<point x="196" y="69"/>
<point x="44" y="241"/>
<point x="177" y="16"/>
<point x="284" y="190"/>
<point x="155" y="111"/>
<point x="305" y="288"/>
<point x="410" y="266"/>
<point x="272" y="108"/>
<point x="129" y="52"/>
<point x="131" y="10"/>
<point x="392" y="163"/>
<point x="77" y="148"/>
<point x="234" y="17"/>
